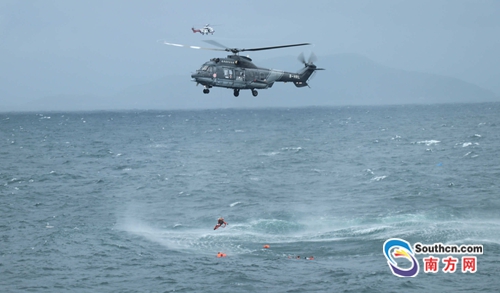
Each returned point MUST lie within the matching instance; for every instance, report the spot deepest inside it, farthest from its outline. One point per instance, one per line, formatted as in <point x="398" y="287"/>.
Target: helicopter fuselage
<point x="238" y="72"/>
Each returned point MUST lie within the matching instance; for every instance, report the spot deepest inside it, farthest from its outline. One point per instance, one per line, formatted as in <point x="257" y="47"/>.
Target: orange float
<point x="266" y="246"/>
<point x="220" y="254"/>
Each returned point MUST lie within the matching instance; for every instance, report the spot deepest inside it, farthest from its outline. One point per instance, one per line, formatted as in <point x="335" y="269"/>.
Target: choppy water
<point x="127" y="201"/>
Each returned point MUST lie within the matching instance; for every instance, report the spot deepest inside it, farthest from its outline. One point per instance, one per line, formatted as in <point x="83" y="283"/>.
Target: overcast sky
<point x="56" y="47"/>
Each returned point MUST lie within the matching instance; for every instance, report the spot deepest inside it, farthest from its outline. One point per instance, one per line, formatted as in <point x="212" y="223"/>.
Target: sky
<point x="57" y="47"/>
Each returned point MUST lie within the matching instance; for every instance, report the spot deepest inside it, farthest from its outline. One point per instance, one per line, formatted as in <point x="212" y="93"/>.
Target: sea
<point x="126" y="201"/>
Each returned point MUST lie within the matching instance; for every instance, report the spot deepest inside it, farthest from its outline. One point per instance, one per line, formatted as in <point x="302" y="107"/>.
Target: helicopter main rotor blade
<point x="274" y="47"/>
<point x="236" y="50"/>
<point x="215" y="43"/>
<point x="192" y="47"/>
<point x="233" y="50"/>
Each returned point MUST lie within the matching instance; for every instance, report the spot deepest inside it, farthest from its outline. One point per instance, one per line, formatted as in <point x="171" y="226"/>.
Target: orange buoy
<point x="220" y="254"/>
<point x="266" y="246"/>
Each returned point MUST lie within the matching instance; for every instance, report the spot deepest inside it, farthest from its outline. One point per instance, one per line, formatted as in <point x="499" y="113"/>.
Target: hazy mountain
<point x="348" y="80"/>
<point x="357" y="80"/>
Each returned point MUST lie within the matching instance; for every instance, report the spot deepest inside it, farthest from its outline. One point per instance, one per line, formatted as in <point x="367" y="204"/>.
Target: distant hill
<point x="351" y="79"/>
<point x="348" y="80"/>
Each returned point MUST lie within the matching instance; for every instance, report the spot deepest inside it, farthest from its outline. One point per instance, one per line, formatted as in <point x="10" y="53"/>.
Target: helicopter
<point x="207" y="29"/>
<point x="238" y="72"/>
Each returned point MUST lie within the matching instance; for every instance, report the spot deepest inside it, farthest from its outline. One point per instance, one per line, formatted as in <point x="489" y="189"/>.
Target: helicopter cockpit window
<point x="204" y="68"/>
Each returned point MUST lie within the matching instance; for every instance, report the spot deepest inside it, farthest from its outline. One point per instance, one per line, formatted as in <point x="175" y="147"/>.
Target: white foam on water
<point x="201" y="241"/>
<point x="378" y="178"/>
<point x="428" y="142"/>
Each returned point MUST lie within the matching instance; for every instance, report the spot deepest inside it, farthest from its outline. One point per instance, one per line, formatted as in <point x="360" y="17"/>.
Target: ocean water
<point x="127" y="201"/>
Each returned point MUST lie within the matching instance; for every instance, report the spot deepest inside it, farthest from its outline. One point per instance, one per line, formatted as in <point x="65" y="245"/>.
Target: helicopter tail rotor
<point x="308" y="71"/>
<point x="312" y="59"/>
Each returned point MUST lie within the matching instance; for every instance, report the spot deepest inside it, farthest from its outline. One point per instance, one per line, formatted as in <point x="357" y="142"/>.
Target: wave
<point x="428" y="142"/>
<point x="248" y="236"/>
<point x="293" y="149"/>
<point x="378" y="178"/>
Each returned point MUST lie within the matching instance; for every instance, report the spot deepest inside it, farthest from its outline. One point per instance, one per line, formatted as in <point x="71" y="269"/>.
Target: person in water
<point x="220" y="222"/>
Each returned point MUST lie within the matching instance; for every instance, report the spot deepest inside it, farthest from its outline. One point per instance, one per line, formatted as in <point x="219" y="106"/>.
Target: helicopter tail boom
<point x="308" y="70"/>
<point x="300" y="78"/>
<point x="304" y="75"/>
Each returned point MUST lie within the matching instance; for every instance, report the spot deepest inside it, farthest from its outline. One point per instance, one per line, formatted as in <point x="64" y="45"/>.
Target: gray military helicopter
<point x="238" y="72"/>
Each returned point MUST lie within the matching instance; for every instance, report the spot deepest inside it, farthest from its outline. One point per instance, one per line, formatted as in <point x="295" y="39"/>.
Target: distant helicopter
<point x="207" y="29"/>
<point x="238" y="72"/>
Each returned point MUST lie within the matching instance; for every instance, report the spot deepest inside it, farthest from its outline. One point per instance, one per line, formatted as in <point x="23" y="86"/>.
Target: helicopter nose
<point x="197" y="77"/>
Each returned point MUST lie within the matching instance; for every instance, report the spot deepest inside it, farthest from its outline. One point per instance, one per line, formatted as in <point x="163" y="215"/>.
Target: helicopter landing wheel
<point x="236" y="92"/>
<point x="255" y="93"/>
<point x="206" y="91"/>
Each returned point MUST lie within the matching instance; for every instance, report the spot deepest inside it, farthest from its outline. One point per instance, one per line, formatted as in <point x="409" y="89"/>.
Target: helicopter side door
<point x="225" y="77"/>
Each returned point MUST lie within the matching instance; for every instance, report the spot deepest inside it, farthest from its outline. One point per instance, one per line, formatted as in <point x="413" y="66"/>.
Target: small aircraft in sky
<point x="207" y="29"/>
